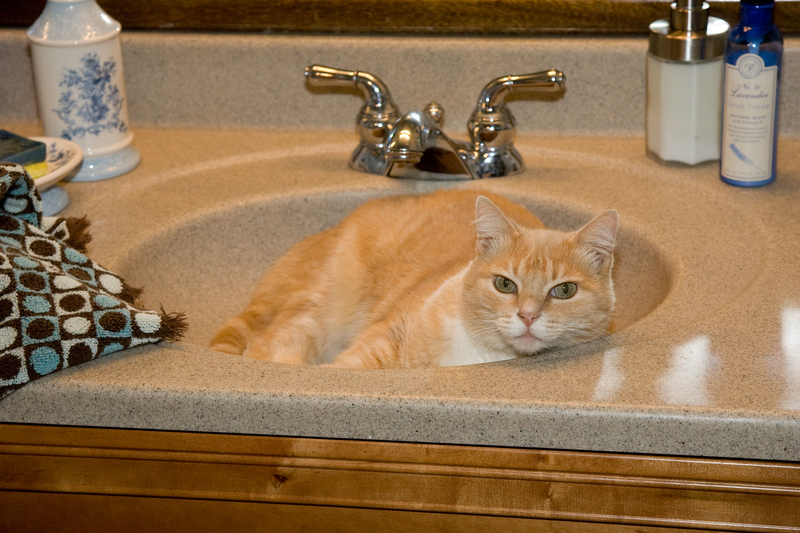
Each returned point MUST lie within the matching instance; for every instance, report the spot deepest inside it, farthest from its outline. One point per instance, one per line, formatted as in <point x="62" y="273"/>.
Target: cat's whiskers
<point x="577" y="331"/>
<point x="480" y="332"/>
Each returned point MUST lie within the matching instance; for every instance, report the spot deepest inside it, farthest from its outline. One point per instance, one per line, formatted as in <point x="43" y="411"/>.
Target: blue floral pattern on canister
<point x="92" y="102"/>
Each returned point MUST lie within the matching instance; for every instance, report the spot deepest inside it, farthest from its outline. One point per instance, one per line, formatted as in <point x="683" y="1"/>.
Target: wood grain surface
<point x="93" y="478"/>
<point x="460" y="17"/>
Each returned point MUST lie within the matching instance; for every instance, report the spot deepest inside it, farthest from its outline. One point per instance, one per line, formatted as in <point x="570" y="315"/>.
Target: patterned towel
<point x="58" y="308"/>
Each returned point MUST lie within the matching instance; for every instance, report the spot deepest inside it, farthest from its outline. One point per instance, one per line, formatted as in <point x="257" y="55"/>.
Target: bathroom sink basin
<point x="671" y="268"/>
<point x="208" y="266"/>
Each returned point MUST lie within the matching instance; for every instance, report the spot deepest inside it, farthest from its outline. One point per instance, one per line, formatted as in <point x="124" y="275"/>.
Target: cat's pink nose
<point x="528" y="317"/>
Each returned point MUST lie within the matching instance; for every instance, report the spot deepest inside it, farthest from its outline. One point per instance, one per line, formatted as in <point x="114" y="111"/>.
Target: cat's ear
<point x="598" y="238"/>
<point x="494" y="228"/>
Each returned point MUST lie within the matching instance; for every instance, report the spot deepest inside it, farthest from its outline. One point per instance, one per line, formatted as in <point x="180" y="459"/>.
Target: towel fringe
<point x="79" y="236"/>
<point x="130" y="294"/>
<point x="173" y="326"/>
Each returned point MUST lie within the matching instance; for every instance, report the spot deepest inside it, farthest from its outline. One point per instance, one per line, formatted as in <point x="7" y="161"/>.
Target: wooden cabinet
<point x="88" y="479"/>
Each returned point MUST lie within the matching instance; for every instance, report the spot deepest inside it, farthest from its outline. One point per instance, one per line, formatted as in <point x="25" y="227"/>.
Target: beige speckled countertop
<point x="713" y="370"/>
<point x="707" y="362"/>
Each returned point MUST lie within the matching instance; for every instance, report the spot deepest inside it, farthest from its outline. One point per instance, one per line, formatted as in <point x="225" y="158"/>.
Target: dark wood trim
<point x="89" y="513"/>
<point x="291" y="481"/>
<point x="431" y="17"/>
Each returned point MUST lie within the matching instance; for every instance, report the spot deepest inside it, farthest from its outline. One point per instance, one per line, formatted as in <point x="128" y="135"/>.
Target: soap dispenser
<point x="685" y="64"/>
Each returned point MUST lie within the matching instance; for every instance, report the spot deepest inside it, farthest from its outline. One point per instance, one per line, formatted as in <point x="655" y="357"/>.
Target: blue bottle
<point x="750" y="97"/>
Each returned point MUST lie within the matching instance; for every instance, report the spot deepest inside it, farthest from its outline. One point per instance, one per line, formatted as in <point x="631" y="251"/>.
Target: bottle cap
<point x="689" y="34"/>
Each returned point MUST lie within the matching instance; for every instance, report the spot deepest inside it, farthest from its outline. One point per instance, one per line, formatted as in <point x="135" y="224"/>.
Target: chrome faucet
<point x="415" y="146"/>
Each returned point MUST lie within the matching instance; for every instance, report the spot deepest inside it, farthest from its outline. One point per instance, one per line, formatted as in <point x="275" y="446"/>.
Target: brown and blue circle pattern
<point x="18" y="195"/>
<point x="58" y="308"/>
<point x="43" y="249"/>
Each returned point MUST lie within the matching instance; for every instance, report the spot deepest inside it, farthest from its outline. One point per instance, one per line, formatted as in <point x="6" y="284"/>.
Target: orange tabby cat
<point x="449" y="278"/>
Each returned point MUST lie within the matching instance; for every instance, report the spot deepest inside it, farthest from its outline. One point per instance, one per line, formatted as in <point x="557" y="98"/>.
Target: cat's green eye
<point x="504" y="284"/>
<point x="564" y="290"/>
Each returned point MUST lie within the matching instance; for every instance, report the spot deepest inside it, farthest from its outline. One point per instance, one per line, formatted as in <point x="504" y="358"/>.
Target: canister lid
<point x="686" y="45"/>
<point x="72" y="23"/>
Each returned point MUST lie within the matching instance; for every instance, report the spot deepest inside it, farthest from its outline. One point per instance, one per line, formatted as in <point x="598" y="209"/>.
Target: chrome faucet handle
<point x="493" y="128"/>
<point x="377" y="116"/>
<point x="495" y="92"/>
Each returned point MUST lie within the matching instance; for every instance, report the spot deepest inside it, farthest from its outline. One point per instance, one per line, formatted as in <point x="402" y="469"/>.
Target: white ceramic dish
<point x="62" y="157"/>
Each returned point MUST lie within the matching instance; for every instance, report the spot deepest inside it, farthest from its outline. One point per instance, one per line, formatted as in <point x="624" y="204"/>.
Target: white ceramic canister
<point x="684" y="85"/>
<point x="77" y="68"/>
<point x="684" y="110"/>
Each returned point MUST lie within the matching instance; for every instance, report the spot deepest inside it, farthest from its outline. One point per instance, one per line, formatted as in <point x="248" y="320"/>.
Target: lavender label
<point x="748" y="121"/>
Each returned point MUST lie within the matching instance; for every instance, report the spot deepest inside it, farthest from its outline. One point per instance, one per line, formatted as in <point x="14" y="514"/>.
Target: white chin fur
<point x="516" y="338"/>
<point x="527" y="345"/>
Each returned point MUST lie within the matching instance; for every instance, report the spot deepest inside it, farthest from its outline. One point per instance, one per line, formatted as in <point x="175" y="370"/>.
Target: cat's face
<point x="531" y="290"/>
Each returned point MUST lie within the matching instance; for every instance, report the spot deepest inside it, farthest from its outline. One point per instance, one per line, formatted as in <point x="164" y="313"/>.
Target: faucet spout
<point x="418" y="148"/>
<point x="408" y="140"/>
